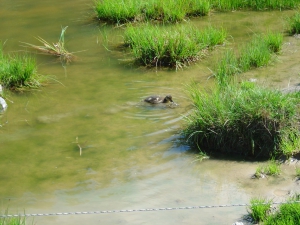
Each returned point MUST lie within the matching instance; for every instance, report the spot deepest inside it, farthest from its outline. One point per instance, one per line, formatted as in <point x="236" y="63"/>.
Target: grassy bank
<point x="18" y="70"/>
<point x="122" y="11"/>
<point x="225" y="5"/>
<point x="257" y="53"/>
<point x="170" y="11"/>
<point x="174" y="46"/>
<point x="244" y="119"/>
<point x="285" y="214"/>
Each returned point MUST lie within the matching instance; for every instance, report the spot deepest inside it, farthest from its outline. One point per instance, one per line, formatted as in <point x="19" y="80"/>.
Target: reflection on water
<point x="131" y="154"/>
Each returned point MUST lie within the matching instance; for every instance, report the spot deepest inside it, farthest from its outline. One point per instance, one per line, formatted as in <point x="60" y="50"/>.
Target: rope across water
<point x="137" y="210"/>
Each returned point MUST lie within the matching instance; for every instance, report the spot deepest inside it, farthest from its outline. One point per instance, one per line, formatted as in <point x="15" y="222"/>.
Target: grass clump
<point x="243" y="119"/>
<point x="259" y="209"/>
<point x="57" y="49"/>
<point x="294" y="24"/>
<point x="117" y="11"/>
<point x="12" y="220"/>
<point x="225" y="5"/>
<point x="271" y="169"/>
<point x="256" y="53"/>
<point x="18" y="71"/>
<point x="167" y="11"/>
<point x="288" y="214"/>
<point x="174" y="46"/>
<point x="170" y="11"/>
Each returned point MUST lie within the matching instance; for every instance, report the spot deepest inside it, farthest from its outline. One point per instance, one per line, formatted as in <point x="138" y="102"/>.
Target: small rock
<point x="253" y="80"/>
<point x="1" y="90"/>
<point x="238" y="223"/>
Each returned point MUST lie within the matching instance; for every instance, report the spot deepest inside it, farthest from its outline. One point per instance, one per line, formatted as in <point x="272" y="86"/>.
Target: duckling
<point x="155" y="99"/>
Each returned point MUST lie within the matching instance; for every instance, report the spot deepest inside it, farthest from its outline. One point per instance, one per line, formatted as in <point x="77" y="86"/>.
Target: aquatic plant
<point x="271" y="169"/>
<point x="243" y="119"/>
<point x="228" y="5"/>
<point x="226" y="67"/>
<point x="174" y="46"/>
<point x="259" y="208"/>
<point x="294" y="24"/>
<point x="170" y="11"/>
<point x="257" y="53"/>
<point x="18" y="70"/>
<point x="287" y="214"/>
<point x="12" y="220"/>
<point x="167" y="11"/>
<point x="56" y="49"/>
<point x="117" y="11"/>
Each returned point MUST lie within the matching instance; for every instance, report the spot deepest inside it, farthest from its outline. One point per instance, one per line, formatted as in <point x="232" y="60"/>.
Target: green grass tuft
<point x="12" y="220"/>
<point x="167" y="11"/>
<point x="294" y="24"/>
<point x="243" y="119"/>
<point x="259" y="209"/>
<point x="288" y="214"/>
<point x="229" y="5"/>
<point x="17" y="71"/>
<point x="271" y="169"/>
<point x="174" y="46"/>
<point x="256" y="53"/>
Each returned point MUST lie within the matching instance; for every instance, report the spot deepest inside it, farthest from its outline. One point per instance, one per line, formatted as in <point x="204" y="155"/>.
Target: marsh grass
<point x="18" y="71"/>
<point x="57" y="49"/>
<point x="167" y="11"/>
<point x="175" y="46"/>
<point x="271" y="169"/>
<point x="243" y="119"/>
<point x="287" y="214"/>
<point x="225" y="5"/>
<point x="171" y="11"/>
<point x="20" y="220"/>
<point x="13" y="221"/>
<point x="226" y="68"/>
<point x="118" y="11"/>
<point x="294" y="24"/>
<point x="257" y="53"/>
<point x="259" y="208"/>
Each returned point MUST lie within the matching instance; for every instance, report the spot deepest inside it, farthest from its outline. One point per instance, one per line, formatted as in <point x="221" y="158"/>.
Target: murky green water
<point x="131" y="155"/>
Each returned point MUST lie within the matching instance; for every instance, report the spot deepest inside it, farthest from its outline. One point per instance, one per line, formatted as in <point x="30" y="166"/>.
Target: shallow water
<point x="132" y="156"/>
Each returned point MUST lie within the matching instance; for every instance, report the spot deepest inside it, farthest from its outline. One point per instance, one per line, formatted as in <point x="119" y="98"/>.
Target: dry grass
<point x="57" y="49"/>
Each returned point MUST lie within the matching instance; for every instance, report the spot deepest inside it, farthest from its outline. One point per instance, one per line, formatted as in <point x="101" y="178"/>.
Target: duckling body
<point x="155" y="99"/>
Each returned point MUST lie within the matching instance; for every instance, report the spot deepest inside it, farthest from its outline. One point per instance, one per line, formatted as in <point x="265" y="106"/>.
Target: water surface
<point x="132" y="156"/>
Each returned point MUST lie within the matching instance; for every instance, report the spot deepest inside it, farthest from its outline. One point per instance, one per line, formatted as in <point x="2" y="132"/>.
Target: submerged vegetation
<point x="245" y="119"/>
<point x="286" y="214"/>
<point x="122" y="11"/>
<point x="57" y="49"/>
<point x="18" y="70"/>
<point x="256" y="53"/>
<point x="174" y="46"/>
